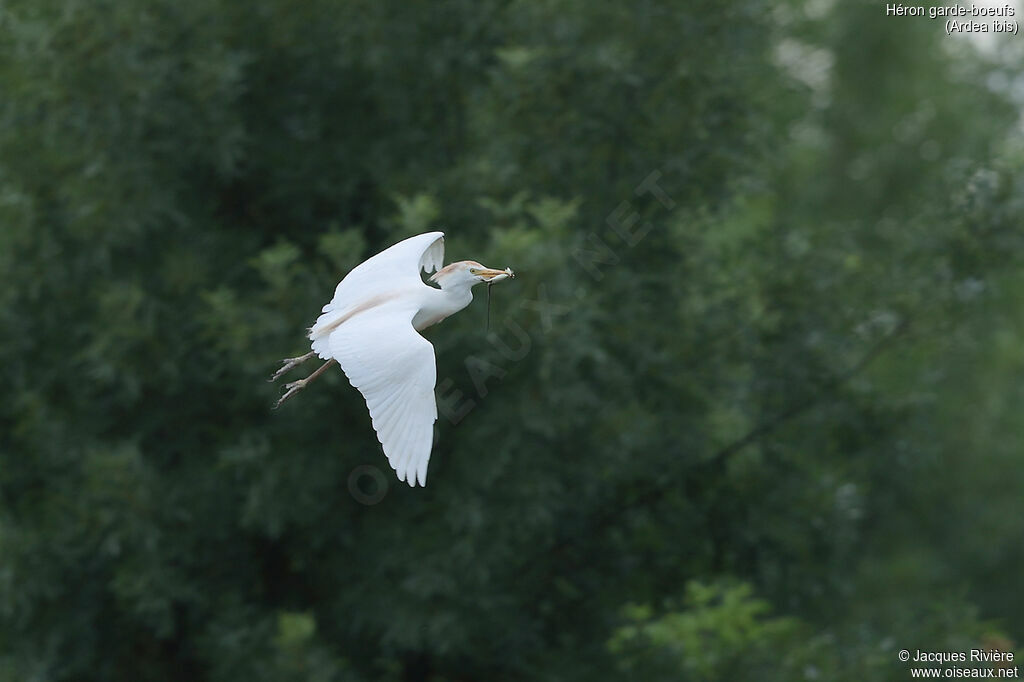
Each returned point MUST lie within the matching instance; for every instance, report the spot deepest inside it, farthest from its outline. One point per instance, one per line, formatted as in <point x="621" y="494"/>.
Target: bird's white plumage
<point x="380" y="352"/>
<point x="394" y="368"/>
<point x="392" y="270"/>
<point x="370" y="328"/>
<point x="397" y="265"/>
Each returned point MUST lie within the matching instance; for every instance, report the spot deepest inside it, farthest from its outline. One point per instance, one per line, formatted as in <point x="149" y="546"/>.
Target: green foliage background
<point x="765" y="425"/>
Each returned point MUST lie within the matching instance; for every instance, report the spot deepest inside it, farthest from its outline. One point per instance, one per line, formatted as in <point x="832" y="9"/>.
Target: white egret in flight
<point x="371" y="328"/>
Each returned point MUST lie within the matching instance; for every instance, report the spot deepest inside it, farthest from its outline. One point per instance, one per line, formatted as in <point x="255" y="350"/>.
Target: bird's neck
<point x="442" y="303"/>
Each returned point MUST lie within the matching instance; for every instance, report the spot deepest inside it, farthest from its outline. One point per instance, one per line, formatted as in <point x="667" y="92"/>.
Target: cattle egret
<point x="371" y="328"/>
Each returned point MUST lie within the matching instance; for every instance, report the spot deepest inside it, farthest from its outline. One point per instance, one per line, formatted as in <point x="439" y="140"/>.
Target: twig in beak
<point x="488" y="327"/>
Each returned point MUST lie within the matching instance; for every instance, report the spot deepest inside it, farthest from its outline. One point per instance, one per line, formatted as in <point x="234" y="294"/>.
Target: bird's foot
<point x="290" y="364"/>
<point x="296" y="386"/>
<point x="290" y="390"/>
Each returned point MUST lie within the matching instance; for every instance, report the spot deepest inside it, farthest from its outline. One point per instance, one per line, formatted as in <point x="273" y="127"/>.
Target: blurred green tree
<point x="758" y="377"/>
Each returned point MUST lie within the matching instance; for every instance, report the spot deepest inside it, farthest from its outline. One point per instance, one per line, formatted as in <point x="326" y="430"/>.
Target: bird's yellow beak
<point x="491" y="275"/>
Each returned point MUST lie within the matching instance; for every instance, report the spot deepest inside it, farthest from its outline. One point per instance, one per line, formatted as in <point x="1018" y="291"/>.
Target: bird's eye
<point x="473" y="271"/>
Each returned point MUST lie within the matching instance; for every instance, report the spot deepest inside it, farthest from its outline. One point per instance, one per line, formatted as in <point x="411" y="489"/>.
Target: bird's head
<point x="469" y="273"/>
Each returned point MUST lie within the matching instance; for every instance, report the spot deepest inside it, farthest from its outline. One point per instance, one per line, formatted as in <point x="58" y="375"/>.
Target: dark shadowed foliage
<point x="751" y="409"/>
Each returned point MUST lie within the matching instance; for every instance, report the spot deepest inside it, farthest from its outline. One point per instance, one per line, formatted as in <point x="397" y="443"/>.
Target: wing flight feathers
<point x="394" y="369"/>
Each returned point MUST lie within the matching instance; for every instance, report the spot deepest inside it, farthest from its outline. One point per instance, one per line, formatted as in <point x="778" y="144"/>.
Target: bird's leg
<point x="289" y="364"/>
<point x="296" y="386"/>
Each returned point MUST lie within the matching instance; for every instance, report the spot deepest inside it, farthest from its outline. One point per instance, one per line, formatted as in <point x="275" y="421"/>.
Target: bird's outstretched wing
<point x="396" y="266"/>
<point x="394" y="368"/>
<point x="373" y="281"/>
